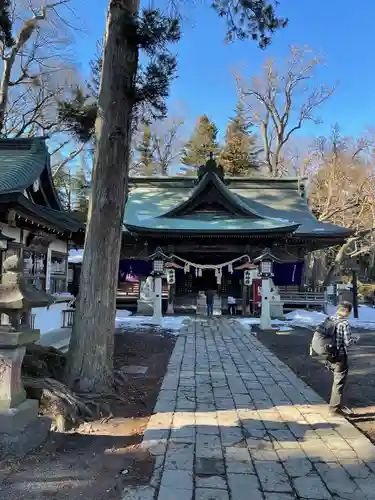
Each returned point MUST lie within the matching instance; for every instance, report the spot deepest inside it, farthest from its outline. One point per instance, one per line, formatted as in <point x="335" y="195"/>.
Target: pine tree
<point x="6" y="36"/>
<point x="238" y="157"/>
<point x="125" y="84"/>
<point x="202" y="143"/>
<point x="63" y="185"/>
<point x="145" y="162"/>
<point x="81" y="184"/>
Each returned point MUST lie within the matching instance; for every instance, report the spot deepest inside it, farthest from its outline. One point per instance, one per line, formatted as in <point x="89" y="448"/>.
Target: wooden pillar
<point x="48" y="265"/>
<point x="171" y="295"/>
<point x="245" y="298"/>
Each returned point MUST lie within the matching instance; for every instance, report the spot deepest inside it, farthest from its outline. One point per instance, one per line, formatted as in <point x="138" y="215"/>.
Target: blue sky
<point x="339" y="29"/>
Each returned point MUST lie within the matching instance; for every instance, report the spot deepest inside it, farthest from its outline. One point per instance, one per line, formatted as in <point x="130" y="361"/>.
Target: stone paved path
<point x="232" y="422"/>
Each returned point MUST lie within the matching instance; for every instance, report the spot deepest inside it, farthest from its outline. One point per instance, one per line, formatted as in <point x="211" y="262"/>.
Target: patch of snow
<point x="75" y="256"/>
<point x="256" y="321"/>
<point x="301" y="317"/>
<point x="122" y="313"/>
<point x="285" y="329"/>
<point x="310" y="319"/>
<point x="48" y="319"/>
<point x="173" y="323"/>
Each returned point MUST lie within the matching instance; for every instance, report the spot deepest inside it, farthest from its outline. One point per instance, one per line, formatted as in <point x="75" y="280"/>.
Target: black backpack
<point x="324" y="341"/>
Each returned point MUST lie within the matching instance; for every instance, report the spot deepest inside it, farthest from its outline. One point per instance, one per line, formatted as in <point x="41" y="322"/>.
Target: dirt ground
<point x="293" y="348"/>
<point x="99" y="459"/>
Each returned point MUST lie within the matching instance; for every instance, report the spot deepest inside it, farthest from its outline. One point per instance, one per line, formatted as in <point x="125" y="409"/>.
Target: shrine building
<point x="212" y="227"/>
<point x="33" y="223"/>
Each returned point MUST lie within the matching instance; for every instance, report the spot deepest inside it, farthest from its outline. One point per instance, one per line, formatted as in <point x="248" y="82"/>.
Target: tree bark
<point x="90" y="361"/>
<point x="4" y="89"/>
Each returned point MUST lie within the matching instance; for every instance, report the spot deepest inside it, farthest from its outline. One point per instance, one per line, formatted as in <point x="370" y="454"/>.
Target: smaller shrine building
<point x="32" y="216"/>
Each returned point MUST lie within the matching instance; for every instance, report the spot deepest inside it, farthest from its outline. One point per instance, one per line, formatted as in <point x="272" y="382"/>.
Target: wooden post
<point x="243" y="298"/>
<point x="171" y="294"/>
<point x="355" y="293"/>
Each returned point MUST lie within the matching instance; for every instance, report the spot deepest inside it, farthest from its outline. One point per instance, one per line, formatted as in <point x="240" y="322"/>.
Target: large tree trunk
<point x="90" y="361"/>
<point x="4" y="89"/>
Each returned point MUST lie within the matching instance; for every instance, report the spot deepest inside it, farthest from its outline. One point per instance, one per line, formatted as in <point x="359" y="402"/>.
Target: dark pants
<point x="210" y="309"/>
<point x="232" y="309"/>
<point x="340" y="375"/>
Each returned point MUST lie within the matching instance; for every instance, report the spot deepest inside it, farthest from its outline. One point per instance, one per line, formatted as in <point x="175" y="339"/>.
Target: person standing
<point x="337" y="361"/>
<point x="231" y="306"/>
<point x="210" y="294"/>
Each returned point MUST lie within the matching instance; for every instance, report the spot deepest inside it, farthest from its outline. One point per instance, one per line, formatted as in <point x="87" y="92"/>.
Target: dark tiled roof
<point x="22" y="161"/>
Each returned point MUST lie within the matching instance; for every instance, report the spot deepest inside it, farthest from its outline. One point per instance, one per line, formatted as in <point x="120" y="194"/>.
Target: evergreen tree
<point x="5" y="23"/>
<point x="63" y="185"/>
<point x="238" y="157"/>
<point x="202" y="143"/>
<point x="81" y="184"/>
<point x="145" y="163"/>
<point x="124" y="86"/>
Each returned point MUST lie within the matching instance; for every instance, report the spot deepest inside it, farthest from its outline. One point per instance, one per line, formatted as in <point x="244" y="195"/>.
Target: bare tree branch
<point x="275" y="104"/>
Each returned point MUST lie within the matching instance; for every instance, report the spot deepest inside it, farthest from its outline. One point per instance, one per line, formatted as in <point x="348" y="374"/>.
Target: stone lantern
<point x="266" y="262"/>
<point x="159" y="259"/>
<point x="20" y="428"/>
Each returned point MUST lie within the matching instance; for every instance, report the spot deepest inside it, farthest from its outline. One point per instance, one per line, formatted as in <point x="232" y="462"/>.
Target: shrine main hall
<point x="213" y="227"/>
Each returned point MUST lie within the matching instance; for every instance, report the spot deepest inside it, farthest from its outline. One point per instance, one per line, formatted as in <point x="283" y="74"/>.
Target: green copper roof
<point x="278" y="202"/>
<point x="214" y="224"/>
<point x="22" y="161"/>
<point x="57" y="219"/>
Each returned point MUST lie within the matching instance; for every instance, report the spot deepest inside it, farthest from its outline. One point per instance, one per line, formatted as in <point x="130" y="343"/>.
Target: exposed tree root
<point x="42" y="374"/>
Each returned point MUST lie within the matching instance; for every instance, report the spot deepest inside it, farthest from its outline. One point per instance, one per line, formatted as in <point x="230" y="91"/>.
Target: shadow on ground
<point x="95" y="462"/>
<point x="266" y="457"/>
<point x="270" y="459"/>
<point x="293" y="349"/>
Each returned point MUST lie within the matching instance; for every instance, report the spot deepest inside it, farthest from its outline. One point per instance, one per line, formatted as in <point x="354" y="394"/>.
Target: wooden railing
<point x="128" y="291"/>
<point x="306" y="299"/>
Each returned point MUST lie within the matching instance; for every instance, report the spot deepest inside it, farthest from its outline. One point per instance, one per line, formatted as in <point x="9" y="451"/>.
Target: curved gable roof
<point x="159" y="203"/>
<point x="232" y="203"/>
<point x="22" y="162"/>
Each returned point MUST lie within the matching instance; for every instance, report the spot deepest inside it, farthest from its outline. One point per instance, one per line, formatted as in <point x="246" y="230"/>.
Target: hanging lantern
<point x="247" y="277"/>
<point x="230" y="268"/>
<point x="171" y="276"/>
<point x="200" y="272"/>
<point x="185" y="268"/>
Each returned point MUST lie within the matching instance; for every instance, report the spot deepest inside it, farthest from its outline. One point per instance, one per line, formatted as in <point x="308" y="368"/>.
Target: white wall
<point x="11" y="232"/>
<point x="15" y="232"/>
<point x="59" y="246"/>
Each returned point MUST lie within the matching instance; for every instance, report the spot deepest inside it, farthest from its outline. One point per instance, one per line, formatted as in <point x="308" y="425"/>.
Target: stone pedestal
<point x="20" y="427"/>
<point x="157" y="317"/>
<point x="265" y="315"/>
<point x="217" y="306"/>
